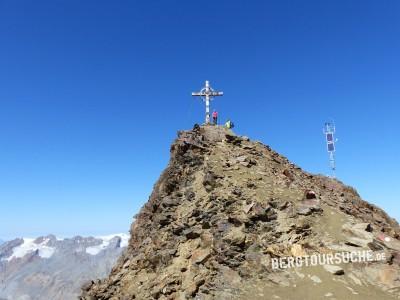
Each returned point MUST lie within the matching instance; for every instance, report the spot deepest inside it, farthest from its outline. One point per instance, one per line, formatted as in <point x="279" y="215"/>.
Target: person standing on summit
<point x="215" y="117"/>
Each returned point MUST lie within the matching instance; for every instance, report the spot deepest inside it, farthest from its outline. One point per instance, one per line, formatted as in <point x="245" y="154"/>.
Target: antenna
<point x="329" y="131"/>
<point x="207" y="94"/>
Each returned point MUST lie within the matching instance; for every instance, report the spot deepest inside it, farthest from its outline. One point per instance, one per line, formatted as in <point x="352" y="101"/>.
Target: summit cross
<point x="207" y="94"/>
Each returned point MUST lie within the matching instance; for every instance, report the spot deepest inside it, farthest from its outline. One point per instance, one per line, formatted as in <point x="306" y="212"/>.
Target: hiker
<point x="229" y="124"/>
<point x="215" y="117"/>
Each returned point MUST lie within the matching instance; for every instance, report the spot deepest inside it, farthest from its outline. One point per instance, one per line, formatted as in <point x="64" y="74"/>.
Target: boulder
<point x="307" y="207"/>
<point x="310" y="195"/>
<point x="235" y="236"/>
<point x="233" y="139"/>
<point x="335" y="270"/>
<point x="259" y="212"/>
<point x="357" y="235"/>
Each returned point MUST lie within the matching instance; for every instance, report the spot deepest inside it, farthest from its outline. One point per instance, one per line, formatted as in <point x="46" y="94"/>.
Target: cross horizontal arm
<point x="213" y="94"/>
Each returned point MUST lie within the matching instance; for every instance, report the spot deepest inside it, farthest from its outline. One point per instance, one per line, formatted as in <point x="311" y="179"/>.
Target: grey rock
<point x="191" y="233"/>
<point x="335" y="270"/>
<point x="258" y="212"/>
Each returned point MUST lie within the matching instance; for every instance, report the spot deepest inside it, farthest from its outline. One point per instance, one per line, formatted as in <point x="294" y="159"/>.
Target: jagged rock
<point x="241" y="159"/>
<point x="237" y="191"/>
<point x="259" y="212"/>
<point x="233" y="139"/>
<point x="194" y="287"/>
<point x="191" y="233"/>
<point x="235" y="237"/>
<point x="283" y="205"/>
<point x="209" y="181"/>
<point x="88" y="285"/>
<point x="288" y="174"/>
<point x="297" y="250"/>
<point x="307" y="207"/>
<point x="170" y="202"/>
<point x="376" y="245"/>
<point x="200" y="255"/>
<point x="165" y="219"/>
<point x="358" y="235"/>
<point x="244" y="160"/>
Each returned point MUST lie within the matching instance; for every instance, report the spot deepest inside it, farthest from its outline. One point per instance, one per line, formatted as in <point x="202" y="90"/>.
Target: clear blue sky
<point x="93" y="92"/>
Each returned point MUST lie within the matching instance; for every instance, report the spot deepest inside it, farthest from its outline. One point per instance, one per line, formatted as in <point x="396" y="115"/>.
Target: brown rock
<point x="297" y="250"/>
<point x="200" y="256"/>
<point x="310" y="195"/>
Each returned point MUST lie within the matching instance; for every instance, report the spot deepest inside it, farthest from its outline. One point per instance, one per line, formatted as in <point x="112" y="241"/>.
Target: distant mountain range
<point x="52" y="268"/>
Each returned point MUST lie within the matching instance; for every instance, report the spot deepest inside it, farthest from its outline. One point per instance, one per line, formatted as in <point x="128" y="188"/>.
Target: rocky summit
<point x="226" y="209"/>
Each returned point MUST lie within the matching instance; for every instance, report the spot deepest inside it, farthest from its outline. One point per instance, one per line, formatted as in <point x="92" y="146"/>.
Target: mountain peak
<point x="226" y="208"/>
<point x="42" y="268"/>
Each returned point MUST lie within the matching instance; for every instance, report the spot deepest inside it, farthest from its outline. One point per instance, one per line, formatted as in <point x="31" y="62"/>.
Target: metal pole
<point x="207" y="102"/>
<point x="333" y="164"/>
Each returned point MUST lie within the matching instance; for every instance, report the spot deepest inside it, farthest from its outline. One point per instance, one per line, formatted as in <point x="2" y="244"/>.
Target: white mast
<point x="329" y="131"/>
<point x="207" y="94"/>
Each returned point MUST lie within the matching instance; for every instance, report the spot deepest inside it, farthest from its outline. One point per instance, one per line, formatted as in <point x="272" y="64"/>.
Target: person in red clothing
<point x="215" y="117"/>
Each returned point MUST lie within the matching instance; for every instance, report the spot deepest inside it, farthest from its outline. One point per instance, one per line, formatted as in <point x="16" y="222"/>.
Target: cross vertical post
<point x="207" y="94"/>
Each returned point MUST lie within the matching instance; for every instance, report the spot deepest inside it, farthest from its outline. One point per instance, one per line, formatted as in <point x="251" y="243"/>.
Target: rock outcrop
<point x="225" y="207"/>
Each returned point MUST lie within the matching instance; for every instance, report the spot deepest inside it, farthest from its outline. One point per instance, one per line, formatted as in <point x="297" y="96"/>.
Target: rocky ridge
<point x="225" y="207"/>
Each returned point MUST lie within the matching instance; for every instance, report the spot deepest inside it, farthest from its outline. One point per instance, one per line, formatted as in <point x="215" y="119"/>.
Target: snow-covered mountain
<point x="53" y="268"/>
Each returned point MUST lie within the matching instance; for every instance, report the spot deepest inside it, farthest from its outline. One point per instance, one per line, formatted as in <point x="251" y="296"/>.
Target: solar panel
<point x="331" y="147"/>
<point x="329" y="137"/>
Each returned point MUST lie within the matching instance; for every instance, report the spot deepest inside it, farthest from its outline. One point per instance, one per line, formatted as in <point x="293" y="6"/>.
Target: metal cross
<point x="207" y="94"/>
